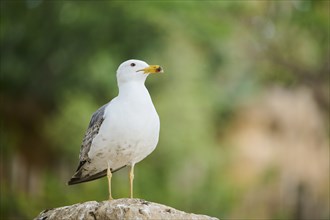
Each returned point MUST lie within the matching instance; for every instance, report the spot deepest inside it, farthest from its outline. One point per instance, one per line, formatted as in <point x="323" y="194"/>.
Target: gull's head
<point x="136" y="70"/>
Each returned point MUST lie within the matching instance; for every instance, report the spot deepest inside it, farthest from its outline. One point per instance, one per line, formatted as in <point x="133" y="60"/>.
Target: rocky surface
<point x="118" y="209"/>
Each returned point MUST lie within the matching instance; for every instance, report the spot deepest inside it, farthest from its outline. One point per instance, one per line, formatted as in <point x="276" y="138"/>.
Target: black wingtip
<point x="73" y="181"/>
<point x="78" y="179"/>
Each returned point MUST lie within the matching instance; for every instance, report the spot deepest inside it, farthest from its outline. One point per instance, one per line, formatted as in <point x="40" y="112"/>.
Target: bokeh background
<point x="244" y="103"/>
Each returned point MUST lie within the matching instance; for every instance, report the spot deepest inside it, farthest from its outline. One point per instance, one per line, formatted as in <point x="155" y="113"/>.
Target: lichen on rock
<point x="118" y="209"/>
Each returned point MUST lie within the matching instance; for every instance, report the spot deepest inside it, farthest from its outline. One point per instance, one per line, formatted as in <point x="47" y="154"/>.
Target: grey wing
<point x="92" y="131"/>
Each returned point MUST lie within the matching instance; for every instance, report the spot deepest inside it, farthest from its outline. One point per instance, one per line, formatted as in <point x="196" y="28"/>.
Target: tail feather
<point x="77" y="178"/>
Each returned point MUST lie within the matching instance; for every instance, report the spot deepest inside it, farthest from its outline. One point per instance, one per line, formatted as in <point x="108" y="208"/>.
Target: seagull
<point x="122" y="132"/>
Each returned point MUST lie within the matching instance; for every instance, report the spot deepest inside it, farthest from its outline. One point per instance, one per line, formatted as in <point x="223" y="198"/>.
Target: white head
<point x="135" y="70"/>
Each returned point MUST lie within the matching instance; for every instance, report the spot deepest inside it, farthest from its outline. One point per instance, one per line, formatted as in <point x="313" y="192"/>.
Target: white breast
<point x="128" y="133"/>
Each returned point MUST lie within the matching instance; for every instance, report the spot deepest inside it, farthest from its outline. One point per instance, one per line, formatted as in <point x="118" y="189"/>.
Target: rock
<point x="118" y="209"/>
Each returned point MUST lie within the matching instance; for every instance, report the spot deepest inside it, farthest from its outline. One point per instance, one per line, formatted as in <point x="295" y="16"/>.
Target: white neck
<point x="133" y="89"/>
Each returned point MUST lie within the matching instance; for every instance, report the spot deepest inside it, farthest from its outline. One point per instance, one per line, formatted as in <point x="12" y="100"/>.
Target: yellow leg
<point x="109" y="175"/>
<point x="131" y="178"/>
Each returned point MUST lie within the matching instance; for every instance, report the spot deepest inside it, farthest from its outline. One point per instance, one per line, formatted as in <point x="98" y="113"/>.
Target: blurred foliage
<point x="58" y="63"/>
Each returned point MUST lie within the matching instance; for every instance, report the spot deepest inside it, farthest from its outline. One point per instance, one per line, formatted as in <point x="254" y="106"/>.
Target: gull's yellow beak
<point x="152" y="69"/>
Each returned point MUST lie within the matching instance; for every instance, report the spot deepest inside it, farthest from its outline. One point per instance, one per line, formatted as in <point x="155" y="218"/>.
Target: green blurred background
<point x="243" y="104"/>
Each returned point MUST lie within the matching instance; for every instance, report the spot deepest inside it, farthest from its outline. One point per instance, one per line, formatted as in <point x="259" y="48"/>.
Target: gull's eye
<point x="132" y="64"/>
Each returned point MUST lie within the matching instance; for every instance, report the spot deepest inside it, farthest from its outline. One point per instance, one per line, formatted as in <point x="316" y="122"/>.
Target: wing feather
<point x="92" y="130"/>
